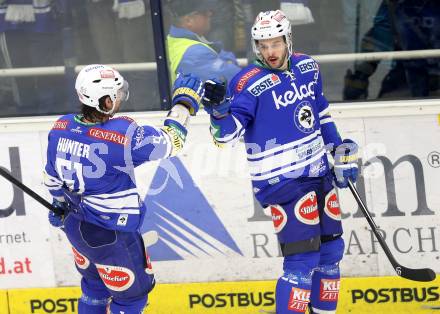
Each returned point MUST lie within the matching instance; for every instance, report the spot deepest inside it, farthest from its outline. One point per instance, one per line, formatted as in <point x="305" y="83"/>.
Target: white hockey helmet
<point x="271" y="24"/>
<point x="95" y="81"/>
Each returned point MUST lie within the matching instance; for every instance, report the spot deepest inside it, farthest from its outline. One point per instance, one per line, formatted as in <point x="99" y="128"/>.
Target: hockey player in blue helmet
<point x="277" y="104"/>
<point x="90" y="174"/>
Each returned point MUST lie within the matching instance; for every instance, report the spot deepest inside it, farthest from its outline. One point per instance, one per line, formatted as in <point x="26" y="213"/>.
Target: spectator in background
<point x="399" y="25"/>
<point x="189" y="51"/>
<point x="128" y="24"/>
<point x="30" y="34"/>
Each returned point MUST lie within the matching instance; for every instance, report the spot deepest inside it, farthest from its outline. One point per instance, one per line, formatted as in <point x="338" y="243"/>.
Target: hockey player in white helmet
<point x="90" y="174"/>
<point x="278" y="106"/>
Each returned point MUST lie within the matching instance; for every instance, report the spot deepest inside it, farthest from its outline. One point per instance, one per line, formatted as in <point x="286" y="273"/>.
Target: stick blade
<point x="422" y="274"/>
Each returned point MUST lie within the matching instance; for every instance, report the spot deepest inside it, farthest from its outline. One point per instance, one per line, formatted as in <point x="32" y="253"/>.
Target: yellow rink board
<point x="3" y="301"/>
<point x="358" y="295"/>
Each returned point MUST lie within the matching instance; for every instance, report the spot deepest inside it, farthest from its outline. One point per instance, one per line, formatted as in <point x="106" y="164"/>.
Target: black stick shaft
<point x="420" y="274"/>
<point x="5" y="174"/>
<point x="372" y="224"/>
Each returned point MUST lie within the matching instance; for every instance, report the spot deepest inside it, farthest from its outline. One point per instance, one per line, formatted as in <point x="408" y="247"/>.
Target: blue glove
<point x="57" y="219"/>
<point x="214" y="100"/>
<point x="187" y="91"/>
<point x="346" y="163"/>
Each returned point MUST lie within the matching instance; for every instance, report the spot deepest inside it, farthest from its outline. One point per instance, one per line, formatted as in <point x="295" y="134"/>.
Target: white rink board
<point x="221" y="178"/>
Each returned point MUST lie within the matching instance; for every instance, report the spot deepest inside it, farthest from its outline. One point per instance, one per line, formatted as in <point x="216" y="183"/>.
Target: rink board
<point x="358" y="295"/>
<point x="201" y="203"/>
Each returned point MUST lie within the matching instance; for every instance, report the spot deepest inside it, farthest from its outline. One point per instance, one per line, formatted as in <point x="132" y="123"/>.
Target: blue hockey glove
<point x="187" y="91"/>
<point x="346" y="167"/>
<point x="214" y="100"/>
<point x="57" y="219"/>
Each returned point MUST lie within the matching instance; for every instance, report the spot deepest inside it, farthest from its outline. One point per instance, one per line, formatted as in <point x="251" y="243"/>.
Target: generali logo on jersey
<point x="109" y="136"/>
<point x="243" y="80"/>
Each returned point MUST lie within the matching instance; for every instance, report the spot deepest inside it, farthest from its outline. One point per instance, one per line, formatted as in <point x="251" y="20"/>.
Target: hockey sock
<point x="325" y="283"/>
<point x="294" y="287"/>
<point x="94" y="298"/>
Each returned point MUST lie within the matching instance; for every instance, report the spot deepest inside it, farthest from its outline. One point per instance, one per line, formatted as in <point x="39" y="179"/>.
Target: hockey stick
<point x="28" y="191"/>
<point x="421" y="274"/>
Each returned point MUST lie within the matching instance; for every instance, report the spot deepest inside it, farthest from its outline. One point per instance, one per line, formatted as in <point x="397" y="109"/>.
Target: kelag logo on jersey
<point x="188" y="227"/>
<point x="264" y="83"/>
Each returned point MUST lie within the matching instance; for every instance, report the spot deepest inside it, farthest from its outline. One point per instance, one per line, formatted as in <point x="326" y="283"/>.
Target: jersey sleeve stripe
<point x="112" y="210"/>
<point x="324" y="112"/>
<point x="125" y="201"/>
<point x="326" y="120"/>
<point x="239" y="131"/>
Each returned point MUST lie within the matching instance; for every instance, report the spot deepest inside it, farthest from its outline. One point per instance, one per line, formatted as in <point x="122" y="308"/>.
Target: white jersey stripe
<point x="112" y="210"/>
<point x="121" y="202"/>
<point x="301" y="165"/>
<point x="324" y="112"/>
<point x="326" y="120"/>
<point x="116" y="194"/>
<point x="284" y="147"/>
<point x="286" y="158"/>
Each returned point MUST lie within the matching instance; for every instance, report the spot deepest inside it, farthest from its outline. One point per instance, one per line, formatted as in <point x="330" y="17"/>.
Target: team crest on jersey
<point x="331" y="207"/>
<point x="116" y="278"/>
<point x="245" y="78"/>
<point x="299" y="300"/>
<point x="304" y="117"/>
<point x="266" y="82"/>
<point x="279" y="217"/>
<point x="306" y="209"/>
<point x="307" y="65"/>
<point x="329" y="290"/>
<point x="80" y="260"/>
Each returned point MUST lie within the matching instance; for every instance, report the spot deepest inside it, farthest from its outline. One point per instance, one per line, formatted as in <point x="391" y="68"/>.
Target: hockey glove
<point x="57" y="219"/>
<point x="187" y="91"/>
<point x="346" y="167"/>
<point x="213" y="100"/>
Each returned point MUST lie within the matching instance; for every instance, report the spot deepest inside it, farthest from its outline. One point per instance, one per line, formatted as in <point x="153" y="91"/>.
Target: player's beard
<point x="282" y="64"/>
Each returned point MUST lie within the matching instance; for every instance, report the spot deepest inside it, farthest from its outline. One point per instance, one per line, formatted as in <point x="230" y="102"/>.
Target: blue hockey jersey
<point x="285" y="121"/>
<point x="91" y="166"/>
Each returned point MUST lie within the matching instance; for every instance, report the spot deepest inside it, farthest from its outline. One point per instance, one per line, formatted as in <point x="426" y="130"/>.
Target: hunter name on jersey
<point x="285" y="121"/>
<point x="74" y="148"/>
